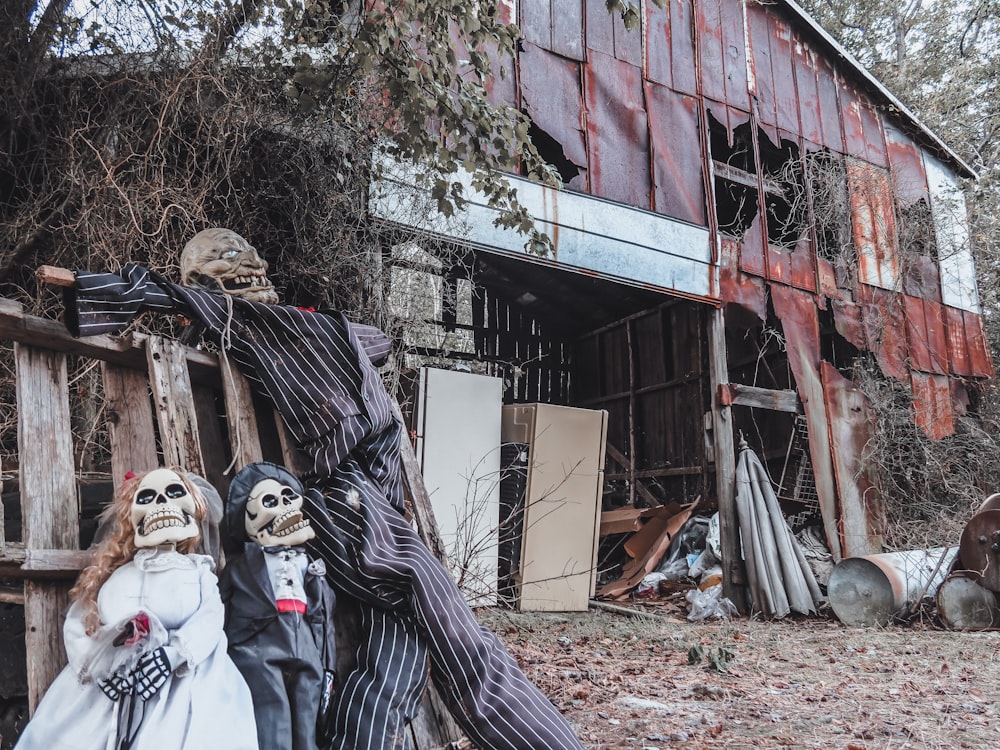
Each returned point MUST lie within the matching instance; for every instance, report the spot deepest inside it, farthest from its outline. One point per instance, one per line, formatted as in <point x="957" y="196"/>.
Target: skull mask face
<point x="221" y="259"/>
<point x="274" y="515"/>
<point x="163" y="510"/>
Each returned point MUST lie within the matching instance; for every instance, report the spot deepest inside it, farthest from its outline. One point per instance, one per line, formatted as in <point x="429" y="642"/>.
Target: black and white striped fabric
<point x="317" y="369"/>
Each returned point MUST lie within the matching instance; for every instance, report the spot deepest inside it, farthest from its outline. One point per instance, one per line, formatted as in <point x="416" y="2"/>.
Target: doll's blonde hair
<point x="118" y="546"/>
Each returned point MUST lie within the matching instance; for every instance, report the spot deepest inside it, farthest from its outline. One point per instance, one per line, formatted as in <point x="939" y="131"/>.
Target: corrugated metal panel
<point x="734" y="59"/>
<point x="873" y="224"/>
<point x="605" y="32"/>
<point x="752" y="248"/>
<point x="711" y="50"/>
<point x="908" y="177"/>
<point x="829" y="105"/>
<point x="850" y="108"/>
<point x="849" y="432"/>
<point x="617" y="134"/>
<point x="567" y="29"/>
<point x="979" y="354"/>
<point x="958" y="347"/>
<point x="658" y="47"/>
<point x="551" y="95"/>
<point x="848" y="322"/>
<point x="536" y="22"/>
<point x="958" y="271"/>
<point x="937" y="337"/>
<point x="797" y="312"/>
<point x="678" y="189"/>
<point x="738" y="288"/>
<point x="804" y="58"/>
<point x="932" y="405"/>
<point x="871" y="126"/>
<point x="916" y="334"/>
<point x="786" y="97"/>
<point x="759" y="32"/>
<point x="885" y="330"/>
<point x="682" y="49"/>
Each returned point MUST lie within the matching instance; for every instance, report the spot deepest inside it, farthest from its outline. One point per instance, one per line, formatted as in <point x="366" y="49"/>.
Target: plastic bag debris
<point x="710" y="603"/>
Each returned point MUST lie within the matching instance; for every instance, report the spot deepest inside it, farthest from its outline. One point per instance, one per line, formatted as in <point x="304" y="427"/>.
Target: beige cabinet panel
<point x="565" y="476"/>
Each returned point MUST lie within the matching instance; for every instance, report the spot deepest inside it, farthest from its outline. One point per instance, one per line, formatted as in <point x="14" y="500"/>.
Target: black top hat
<point x="239" y="493"/>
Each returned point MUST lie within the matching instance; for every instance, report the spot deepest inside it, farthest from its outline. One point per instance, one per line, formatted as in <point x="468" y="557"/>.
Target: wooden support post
<point x="49" y="505"/>
<point x="175" y="408"/>
<point x="725" y="465"/>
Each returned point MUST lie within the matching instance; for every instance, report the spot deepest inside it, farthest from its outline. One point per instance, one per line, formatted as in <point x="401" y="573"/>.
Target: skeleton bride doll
<point x="148" y="668"/>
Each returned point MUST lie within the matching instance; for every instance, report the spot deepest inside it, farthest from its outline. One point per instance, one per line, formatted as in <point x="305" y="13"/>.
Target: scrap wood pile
<point x="674" y="556"/>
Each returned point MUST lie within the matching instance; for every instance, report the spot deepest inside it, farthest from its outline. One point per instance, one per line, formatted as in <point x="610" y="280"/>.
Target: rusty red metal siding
<point x="617" y="131"/>
<point x="980" y="362"/>
<point x="551" y="95"/>
<point x="932" y="405"/>
<point x="678" y="188"/>
<point x="761" y="62"/>
<point x="958" y="347"/>
<point x="884" y="318"/>
<point x="804" y="60"/>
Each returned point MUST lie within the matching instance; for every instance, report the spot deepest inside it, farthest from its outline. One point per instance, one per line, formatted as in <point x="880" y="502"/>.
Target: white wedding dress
<point x="205" y="703"/>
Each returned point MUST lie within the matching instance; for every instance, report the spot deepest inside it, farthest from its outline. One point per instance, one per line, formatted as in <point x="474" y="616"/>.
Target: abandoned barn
<point x="749" y="218"/>
<point x="750" y="224"/>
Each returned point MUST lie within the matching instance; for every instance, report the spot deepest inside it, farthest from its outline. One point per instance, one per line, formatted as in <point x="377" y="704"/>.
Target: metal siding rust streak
<point x="758" y="30"/>
<point x="676" y="152"/>
<point x="658" y="31"/>
<point x="932" y="410"/>
<point x="550" y="94"/>
<point x="599" y="34"/>
<point x="734" y="55"/>
<point x="920" y="277"/>
<point x="786" y="95"/>
<point x="617" y="131"/>
<point x="536" y="22"/>
<point x="958" y="349"/>
<point x="847" y="318"/>
<point x="567" y="29"/>
<point x="749" y="292"/>
<point x="860" y="512"/>
<point x="937" y="336"/>
<point x="800" y="324"/>
<point x="918" y="342"/>
<point x="803" y="58"/>
<point x="829" y="105"/>
<point x="710" y="49"/>
<point x="628" y="44"/>
<point x="854" y="133"/>
<point x="980" y="361"/>
<point x="885" y="329"/>
<point x="908" y="176"/>
<point x="873" y="223"/>
<point x="752" y="249"/>
<point x="682" y="47"/>
<point x="871" y="126"/>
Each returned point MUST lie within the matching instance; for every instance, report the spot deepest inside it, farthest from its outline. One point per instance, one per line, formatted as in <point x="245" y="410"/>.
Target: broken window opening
<point x="785" y="204"/>
<point x="915" y="229"/>
<point x="826" y="177"/>
<point x="834" y="348"/>
<point x="735" y="168"/>
<point x="552" y="153"/>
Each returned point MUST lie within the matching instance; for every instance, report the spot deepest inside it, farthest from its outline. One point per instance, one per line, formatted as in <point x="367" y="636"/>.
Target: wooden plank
<point x="130" y="421"/>
<point x="213" y="454"/>
<point x="736" y="394"/>
<point x="51" y="519"/>
<point x="725" y="466"/>
<point x="173" y="398"/>
<point x="244" y="439"/>
<point x="295" y="461"/>
<point x="420" y="501"/>
<point x="619" y="458"/>
<point x="127" y="351"/>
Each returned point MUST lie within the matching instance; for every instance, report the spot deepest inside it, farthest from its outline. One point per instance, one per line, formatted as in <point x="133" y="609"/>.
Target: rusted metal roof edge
<point x="926" y="132"/>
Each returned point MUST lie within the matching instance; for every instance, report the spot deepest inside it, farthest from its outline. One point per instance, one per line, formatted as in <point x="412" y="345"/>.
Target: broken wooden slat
<point x="130" y="421"/>
<point x="736" y="394"/>
<point x="173" y="397"/>
<point x="241" y="418"/>
<point x="49" y="506"/>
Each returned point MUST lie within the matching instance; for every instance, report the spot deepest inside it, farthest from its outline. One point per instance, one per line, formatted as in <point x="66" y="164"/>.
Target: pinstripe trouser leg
<point x="379" y="558"/>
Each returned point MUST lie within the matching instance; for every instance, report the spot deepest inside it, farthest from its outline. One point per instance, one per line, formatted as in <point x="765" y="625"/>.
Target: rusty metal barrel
<point x="963" y="603"/>
<point x="979" y="547"/>
<point x="876" y="589"/>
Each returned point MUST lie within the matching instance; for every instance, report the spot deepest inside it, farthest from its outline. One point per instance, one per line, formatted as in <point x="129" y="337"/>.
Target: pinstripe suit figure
<point x="322" y="380"/>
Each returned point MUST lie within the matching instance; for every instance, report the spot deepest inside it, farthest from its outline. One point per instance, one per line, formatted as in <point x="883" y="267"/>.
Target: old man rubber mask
<point x="219" y="259"/>
<point x="274" y="515"/>
<point x="163" y="510"/>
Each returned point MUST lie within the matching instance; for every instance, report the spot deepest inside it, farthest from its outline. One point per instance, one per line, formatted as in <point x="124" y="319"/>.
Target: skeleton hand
<point x="151" y="671"/>
<point x="116" y="685"/>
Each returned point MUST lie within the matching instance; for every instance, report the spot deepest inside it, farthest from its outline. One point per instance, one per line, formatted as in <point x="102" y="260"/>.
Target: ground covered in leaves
<point x="659" y="681"/>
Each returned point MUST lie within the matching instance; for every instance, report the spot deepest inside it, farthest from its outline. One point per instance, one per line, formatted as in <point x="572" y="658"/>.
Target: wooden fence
<point x="162" y="405"/>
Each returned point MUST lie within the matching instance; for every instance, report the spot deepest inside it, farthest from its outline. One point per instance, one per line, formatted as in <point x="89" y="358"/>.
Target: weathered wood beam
<point x="173" y="397"/>
<point x="736" y="394"/>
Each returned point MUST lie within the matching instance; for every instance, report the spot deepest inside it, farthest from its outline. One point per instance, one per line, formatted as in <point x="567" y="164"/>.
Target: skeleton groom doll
<point x="148" y="668"/>
<point x="318" y="369"/>
<point x="279" y="609"/>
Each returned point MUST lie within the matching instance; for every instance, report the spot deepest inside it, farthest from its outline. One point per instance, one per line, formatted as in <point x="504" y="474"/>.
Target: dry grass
<point x="806" y="684"/>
